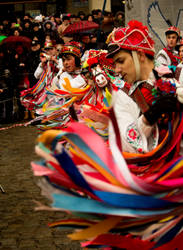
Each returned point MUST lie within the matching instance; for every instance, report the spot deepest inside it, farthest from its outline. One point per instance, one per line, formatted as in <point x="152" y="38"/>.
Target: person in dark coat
<point x="37" y="31"/>
<point x="27" y="29"/>
<point x="6" y="91"/>
<point x="19" y="66"/>
<point x="33" y="61"/>
<point x="49" y="30"/>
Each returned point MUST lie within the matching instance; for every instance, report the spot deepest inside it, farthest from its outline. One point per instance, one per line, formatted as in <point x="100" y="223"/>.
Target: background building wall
<point x="74" y="6"/>
<point x="141" y="9"/>
<point x="98" y="4"/>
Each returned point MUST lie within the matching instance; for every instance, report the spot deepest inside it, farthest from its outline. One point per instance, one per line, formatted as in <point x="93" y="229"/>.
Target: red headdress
<point x="99" y="57"/>
<point x="133" y="37"/>
<point x="74" y="48"/>
<point x="173" y="29"/>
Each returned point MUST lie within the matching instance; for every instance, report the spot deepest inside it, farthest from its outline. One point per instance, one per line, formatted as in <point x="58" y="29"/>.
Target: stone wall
<point x="71" y="8"/>
<point x="159" y="11"/>
<point x="92" y="4"/>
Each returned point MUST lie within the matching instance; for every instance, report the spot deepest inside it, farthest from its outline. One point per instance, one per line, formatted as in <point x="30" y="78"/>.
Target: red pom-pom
<point x="135" y="24"/>
<point x="92" y="61"/>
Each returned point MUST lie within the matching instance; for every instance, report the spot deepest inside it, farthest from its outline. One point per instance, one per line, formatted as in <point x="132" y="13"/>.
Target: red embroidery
<point x="140" y="150"/>
<point x="132" y="134"/>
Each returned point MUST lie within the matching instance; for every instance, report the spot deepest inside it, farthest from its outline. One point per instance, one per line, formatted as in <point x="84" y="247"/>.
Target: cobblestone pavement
<point x="22" y="228"/>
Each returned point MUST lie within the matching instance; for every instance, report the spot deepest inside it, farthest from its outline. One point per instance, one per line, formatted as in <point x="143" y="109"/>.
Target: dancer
<point x="49" y="66"/>
<point x="168" y="55"/>
<point x="136" y="115"/>
<point x="123" y="199"/>
<point x="49" y="61"/>
<point x="71" y="56"/>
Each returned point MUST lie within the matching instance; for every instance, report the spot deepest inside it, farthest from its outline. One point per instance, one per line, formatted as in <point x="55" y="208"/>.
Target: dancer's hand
<point x="164" y="105"/>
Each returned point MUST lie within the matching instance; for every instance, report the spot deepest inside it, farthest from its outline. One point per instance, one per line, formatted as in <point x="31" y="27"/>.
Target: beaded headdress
<point x="74" y="48"/>
<point x="133" y="37"/>
<point x="173" y="29"/>
<point x="98" y="57"/>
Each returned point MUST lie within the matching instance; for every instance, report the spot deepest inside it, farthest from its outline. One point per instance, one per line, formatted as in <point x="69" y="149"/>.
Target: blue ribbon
<point x="133" y="201"/>
<point x="91" y="206"/>
<point x="67" y="164"/>
<point x="83" y="146"/>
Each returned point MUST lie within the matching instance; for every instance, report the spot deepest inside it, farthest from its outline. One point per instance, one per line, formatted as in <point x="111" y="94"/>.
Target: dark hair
<point x="65" y="18"/>
<point x="72" y="16"/>
<point x="94" y="12"/>
<point x="35" y="42"/>
<point x="150" y="57"/>
<point x="35" y="25"/>
<point x="169" y="32"/>
<point x="81" y="13"/>
<point x="27" y="14"/>
<point x="77" y="59"/>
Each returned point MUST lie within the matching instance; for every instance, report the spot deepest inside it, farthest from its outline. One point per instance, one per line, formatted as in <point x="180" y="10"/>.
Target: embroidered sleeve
<point x="135" y="135"/>
<point x="38" y="71"/>
<point x="134" y="138"/>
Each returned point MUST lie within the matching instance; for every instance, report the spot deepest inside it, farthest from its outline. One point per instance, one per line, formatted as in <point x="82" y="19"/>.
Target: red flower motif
<point x="132" y="134"/>
<point x="140" y="150"/>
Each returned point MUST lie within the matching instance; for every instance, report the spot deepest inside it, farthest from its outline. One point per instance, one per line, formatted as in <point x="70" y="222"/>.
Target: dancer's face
<point x="124" y="65"/>
<point x="171" y="40"/>
<point x="69" y="63"/>
<point x="51" y="51"/>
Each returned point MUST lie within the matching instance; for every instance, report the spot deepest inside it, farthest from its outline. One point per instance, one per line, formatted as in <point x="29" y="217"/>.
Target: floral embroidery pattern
<point x="134" y="138"/>
<point x="132" y="134"/>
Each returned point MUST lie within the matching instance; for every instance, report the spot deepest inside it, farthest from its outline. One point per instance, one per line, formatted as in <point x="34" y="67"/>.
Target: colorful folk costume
<point x="35" y="97"/>
<point x="122" y="200"/>
<point x="67" y="87"/>
<point x="169" y="55"/>
<point x="90" y="91"/>
<point x="179" y="68"/>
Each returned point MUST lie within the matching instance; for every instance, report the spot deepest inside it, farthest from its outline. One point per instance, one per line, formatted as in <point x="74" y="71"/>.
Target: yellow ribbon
<point x="99" y="228"/>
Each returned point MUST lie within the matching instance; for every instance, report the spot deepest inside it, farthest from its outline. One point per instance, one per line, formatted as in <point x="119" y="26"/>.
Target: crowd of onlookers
<point x="18" y="63"/>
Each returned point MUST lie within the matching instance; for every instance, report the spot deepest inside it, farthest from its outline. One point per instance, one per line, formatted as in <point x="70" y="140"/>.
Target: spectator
<point x="97" y="16"/>
<point x="62" y="27"/>
<point x="27" y="29"/>
<point x="27" y="16"/>
<point x="49" y="29"/>
<point x="15" y="32"/>
<point x="73" y="18"/>
<point x="19" y="72"/>
<point x="89" y="18"/>
<point x="6" y="91"/>
<point x="57" y="20"/>
<point x="119" y="20"/>
<point x="6" y="26"/>
<point x="38" y="19"/>
<point x="33" y="61"/>
<point x="81" y="15"/>
<point x="37" y="32"/>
